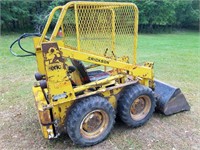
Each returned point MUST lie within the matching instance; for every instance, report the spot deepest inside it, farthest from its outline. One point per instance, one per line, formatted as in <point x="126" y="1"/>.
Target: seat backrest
<point x="82" y="70"/>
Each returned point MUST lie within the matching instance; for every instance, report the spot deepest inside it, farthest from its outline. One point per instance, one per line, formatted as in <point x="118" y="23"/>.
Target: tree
<point x="14" y="14"/>
<point x="153" y="14"/>
<point x="156" y="13"/>
<point x="187" y="13"/>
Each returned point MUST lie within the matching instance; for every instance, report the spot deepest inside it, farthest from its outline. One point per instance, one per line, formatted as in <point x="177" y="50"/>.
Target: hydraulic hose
<point x="23" y="36"/>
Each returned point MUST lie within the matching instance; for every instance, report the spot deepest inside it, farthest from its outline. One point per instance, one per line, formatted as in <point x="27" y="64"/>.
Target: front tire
<point x="90" y="121"/>
<point x="136" y="105"/>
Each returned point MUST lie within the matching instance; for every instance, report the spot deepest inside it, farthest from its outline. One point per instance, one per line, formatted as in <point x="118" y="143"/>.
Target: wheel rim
<point x="94" y="124"/>
<point x="140" y="107"/>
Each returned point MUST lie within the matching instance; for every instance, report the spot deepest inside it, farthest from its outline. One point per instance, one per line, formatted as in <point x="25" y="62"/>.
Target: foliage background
<point x="155" y="15"/>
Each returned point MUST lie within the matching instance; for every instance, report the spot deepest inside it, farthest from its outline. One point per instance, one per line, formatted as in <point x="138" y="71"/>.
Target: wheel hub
<point x="140" y="107"/>
<point x="94" y="123"/>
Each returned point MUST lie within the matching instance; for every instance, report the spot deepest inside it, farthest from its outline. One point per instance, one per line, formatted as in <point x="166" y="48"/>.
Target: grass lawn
<point x="177" y="62"/>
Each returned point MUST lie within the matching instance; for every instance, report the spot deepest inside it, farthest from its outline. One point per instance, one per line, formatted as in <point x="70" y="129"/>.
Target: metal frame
<point x="74" y="4"/>
<point x="61" y="93"/>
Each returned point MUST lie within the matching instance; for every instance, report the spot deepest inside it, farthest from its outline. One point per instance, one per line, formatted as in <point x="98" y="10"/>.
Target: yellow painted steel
<point x="77" y="28"/>
<point x="144" y="72"/>
<point x="43" y="115"/>
<point x="113" y="30"/>
<point x="96" y="26"/>
<point x="101" y="33"/>
<point x="97" y="83"/>
<point x="42" y="39"/>
<point x="39" y="55"/>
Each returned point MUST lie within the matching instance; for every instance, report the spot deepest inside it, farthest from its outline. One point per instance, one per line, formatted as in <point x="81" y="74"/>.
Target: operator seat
<point x="91" y="76"/>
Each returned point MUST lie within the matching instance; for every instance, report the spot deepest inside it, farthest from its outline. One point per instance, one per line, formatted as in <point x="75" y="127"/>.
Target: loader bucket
<point x="170" y="99"/>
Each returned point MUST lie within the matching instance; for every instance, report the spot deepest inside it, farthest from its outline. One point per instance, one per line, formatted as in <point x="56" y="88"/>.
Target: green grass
<point x="175" y="55"/>
<point x="177" y="61"/>
<point x="176" y="58"/>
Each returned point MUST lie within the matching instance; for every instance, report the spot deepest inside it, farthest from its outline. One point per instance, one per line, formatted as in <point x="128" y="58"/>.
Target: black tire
<point x="132" y="98"/>
<point x="89" y="111"/>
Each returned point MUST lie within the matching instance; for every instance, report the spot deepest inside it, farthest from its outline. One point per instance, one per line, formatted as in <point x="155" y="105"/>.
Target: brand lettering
<point x="56" y="67"/>
<point x="98" y="60"/>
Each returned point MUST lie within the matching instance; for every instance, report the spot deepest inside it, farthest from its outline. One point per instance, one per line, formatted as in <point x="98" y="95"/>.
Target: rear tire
<point x="90" y="121"/>
<point x="136" y="105"/>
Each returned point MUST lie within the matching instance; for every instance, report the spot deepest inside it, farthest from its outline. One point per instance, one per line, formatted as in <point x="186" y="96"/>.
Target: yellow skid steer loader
<point x="89" y="73"/>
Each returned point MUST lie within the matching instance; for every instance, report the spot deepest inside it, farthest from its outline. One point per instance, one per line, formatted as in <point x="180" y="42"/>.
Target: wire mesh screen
<point x="103" y="30"/>
<point x="69" y="28"/>
<point x="95" y="28"/>
<point x="124" y="32"/>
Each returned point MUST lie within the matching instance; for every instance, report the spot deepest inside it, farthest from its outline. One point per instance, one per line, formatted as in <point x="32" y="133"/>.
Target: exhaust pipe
<point x="170" y="99"/>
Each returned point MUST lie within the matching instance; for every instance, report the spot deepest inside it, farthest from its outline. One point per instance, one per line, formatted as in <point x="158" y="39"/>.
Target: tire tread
<point x="79" y="109"/>
<point x="126" y="100"/>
